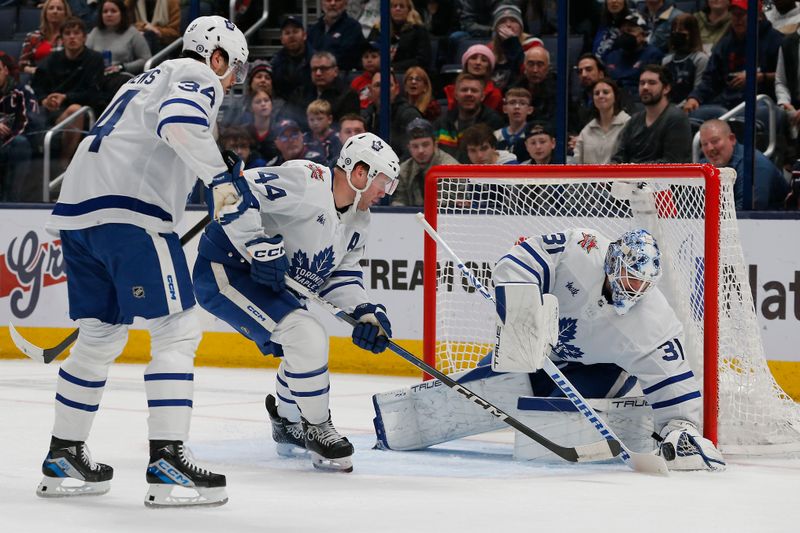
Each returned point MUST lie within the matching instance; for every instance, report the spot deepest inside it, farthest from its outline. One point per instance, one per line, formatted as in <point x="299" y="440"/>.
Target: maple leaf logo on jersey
<point x="312" y="275"/>
<point x="588" y="242"/>
<point x="567" y="329"/>
<point x="316" y="172"/>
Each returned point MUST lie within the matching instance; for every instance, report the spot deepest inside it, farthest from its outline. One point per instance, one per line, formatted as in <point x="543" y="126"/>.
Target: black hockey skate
<point x="175" y="481"/>
<point x="288" y="436"/>
<point x="328" y="449"/>
<point x="69" y="471"/>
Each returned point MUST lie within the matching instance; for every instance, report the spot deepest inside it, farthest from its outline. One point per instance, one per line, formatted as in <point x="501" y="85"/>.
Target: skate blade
<point x="66" y="487"/>
<point x="162" y="496"/>
<point x="339" y="464"/>
<point x="286" y="449"/>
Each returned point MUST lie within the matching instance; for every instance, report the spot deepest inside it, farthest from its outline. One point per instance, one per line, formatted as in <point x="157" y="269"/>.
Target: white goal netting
<point x="481" y="217"/>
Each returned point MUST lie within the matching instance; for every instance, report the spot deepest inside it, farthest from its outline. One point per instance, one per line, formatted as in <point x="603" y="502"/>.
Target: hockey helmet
<point x="374" y="152"/>
<point x="206" y="34"/>
<point x="633" y="266"/>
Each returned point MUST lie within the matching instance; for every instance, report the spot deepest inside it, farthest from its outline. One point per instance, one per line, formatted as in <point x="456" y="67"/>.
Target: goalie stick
<point x="640" y="462"/>
<point x="604" y="449"/>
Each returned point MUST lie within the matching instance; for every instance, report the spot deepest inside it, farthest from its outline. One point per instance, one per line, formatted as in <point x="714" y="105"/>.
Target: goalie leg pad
<point x="527" y="327"/>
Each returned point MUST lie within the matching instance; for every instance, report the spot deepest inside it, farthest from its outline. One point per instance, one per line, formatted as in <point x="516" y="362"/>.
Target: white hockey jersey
<point x="569" y="266"/>
<point x="140" y="161"/>
<point x="323" y="246"/>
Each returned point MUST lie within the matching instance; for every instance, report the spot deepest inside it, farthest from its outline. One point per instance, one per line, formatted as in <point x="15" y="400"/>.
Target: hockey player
<point x="288" y="213"/>
<point x="610" y="312"/>
<point x="123" y="193"/>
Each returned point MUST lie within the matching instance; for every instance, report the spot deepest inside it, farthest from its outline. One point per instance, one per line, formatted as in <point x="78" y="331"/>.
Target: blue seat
<point x="690" y="6"/>
<point x="574" y="48"/>
<point x="28" y="19"/>
<point x="7" y="16"/>
<point x="12" y="48"/>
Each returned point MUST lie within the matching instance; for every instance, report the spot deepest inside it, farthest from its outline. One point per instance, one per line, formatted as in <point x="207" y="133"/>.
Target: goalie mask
<point x="633" y="266"/>
<point x="374" y="152"/>
<point x="206" y="34"/>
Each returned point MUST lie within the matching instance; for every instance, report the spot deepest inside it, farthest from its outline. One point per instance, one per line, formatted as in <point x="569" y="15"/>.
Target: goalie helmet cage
<point x="483" y="210"/>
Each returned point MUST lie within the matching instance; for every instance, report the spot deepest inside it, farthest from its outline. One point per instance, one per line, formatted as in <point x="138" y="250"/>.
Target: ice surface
<point x="470" y="485"/>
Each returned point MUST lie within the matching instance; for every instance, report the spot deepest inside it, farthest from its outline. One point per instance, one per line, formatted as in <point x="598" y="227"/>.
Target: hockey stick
<point x="604" y="449"/>
<point x="46" y="355"/>
<point x="640" y="462"/>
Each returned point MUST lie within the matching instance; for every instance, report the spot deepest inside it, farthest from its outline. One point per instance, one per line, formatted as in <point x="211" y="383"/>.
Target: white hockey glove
<point x="225" y="193"/>
<point x="684" y="448"/>
<point x="527" y="327"/>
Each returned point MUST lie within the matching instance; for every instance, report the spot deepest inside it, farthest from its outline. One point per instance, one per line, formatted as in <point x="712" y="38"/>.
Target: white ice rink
<point x="471" y="485"/>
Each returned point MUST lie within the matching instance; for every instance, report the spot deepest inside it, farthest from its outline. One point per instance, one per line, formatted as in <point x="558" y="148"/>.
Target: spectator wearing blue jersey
<point x="624" y="64"/>
<point x="614" y="12"/>
<point x="17" y="105"/>
<point x="659" y="14"/>
<point x="338" y="33"/>
<point x="686" y="60"/>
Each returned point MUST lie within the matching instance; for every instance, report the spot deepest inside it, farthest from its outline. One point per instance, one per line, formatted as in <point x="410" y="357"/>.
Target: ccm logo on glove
<point x="269" y="265"/>
<point x="271" y="253"/>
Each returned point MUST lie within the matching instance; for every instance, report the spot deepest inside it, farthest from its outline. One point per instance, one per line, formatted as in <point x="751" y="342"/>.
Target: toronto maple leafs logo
<point x="588" y="242"/>
<point x="312" y="274"/>
<point x="229" y="25"/>
<point x="567" y="330"/>
<point x="377" y="146"/>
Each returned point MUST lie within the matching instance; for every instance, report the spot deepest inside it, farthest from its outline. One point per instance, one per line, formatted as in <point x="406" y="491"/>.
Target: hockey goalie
<point x="593" y="307"/>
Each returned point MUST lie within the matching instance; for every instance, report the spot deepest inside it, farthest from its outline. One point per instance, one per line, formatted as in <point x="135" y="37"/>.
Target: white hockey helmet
<point x="633" y="266"/>
<point x="206" y="34"/>
<point x="374" y="152"/>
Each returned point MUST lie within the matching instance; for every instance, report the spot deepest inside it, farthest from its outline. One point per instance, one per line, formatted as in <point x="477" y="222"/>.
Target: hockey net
<point x="481" y="212"/>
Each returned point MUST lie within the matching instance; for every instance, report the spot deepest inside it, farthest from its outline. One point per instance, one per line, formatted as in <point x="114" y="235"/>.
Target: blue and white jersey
<point x="140" y="161"/>
<point x="569" y="266"/>
<point x="323" y="246"/>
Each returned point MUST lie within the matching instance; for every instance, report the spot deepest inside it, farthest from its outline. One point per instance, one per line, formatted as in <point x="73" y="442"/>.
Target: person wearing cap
<point x="424" y="154"/>
<point x="290" y="65"/>
<point x="338" y="33"/>
<point x="291" y="144"/>
<point x="509" y="44"/>
<point x="624" y="63"/>
<point x="410" y="41"/>
<point x="723" y="83"/>
<point x="478" y="60"/>
<point x="658" y="15"/>
<point x="371" y="63"/>
<point x="17" y="106"/>
<point x="540" y="144"/>
<point x="402" y="113"/>
<point x="476" y="16"/>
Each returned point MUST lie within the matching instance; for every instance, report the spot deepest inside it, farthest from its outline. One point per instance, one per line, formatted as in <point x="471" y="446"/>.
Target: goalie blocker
<point x="527" y="327"/>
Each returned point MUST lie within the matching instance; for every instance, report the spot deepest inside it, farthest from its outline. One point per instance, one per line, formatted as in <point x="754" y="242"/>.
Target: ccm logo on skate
<point x="173" y="474"/>
<point x="171" y="288"/>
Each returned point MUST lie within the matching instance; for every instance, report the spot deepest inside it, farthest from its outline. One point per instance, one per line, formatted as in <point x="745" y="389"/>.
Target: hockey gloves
<point x="269" y="263"/>
<point x="373" y="331"/>
<point x="229" y="194"/>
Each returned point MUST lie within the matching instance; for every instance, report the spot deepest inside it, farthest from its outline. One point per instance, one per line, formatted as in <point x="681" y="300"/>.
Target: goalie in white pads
<point x="611" y="318"/>
<point x="289" y="223"/>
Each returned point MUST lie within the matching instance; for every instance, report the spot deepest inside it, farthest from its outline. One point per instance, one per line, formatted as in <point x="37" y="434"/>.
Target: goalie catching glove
<point x="373" y="331"/>
<point x="527" y="327"/>
<point x="269" y="264"/>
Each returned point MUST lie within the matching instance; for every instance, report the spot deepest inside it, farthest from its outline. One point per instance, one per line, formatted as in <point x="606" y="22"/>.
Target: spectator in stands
<point x="721" y="149"/>
<point x="370" y="63"/>
<point x="659" y="134"/>
<point x="349" y="125"/>
<point x="402" y="113"/>
<point x="475" y="15"/>
<point x="478" y="60"/>
<point x="723" y="81"/>
<point x="327" y="85"/>
<point x="424" y="155"/>
<point x="787" y="88"/>
<point x="440" y="17"/>
<point x="320" y="119"/>
<point x="509" y="44"/>
<point x="469" y="110"/>
<point x="67" y="80"/>
<point x="39" y="43"/>
<point x="597" y="141"/>
<point x="614" y="12"/>
<point x="410" y="42"/>
<point x="260" y="127"/>
<point x="290" y="144"/>
<point x="86" y="10"/>
<point x="540" y="144"/>
<point x="237" y="139"/>
<point x="784" y="15"/>
<point x="624" y="64"/>
<point x="541" y="83"/>
<point x="658" y="15"/>
<point x="419" y="93"/>
<point x="686" y="60"/>
<point x="236" y="106"/>
<point x="291" y="64"/>
<point x="517" y="108"/>
<point x="336" y="32"/>
<point x="158" y="20"/>
<point x="714" y="20"/>
<point x="114" y="33"/>
<point x="17" y="104"/>
<point x="480" y="145"/>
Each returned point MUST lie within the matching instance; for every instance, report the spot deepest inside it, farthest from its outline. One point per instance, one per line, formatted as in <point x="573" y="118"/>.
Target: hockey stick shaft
<point x="605" y="449"/>
<point x="47" y="355"/>
<point x="637" y="461"/>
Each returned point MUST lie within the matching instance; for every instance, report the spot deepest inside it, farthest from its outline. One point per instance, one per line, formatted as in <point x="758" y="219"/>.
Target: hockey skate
<point x="69" y="471"/>
<point x="684" y="448"/>
<point x="175" y="481"/>
<point x="288" y="436"/>
<point x="328" y="449"/>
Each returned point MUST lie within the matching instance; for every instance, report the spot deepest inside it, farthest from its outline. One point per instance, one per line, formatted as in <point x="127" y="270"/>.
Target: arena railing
<point x="47" y="185"/>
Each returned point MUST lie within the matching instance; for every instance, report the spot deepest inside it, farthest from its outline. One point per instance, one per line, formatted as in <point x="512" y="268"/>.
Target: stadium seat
<point x="28" y="19"/>
<point x="574" y="48"/>
<point x="12" y="48"/>
<point x="7" y="22"/>
<point x="690" y="6"/>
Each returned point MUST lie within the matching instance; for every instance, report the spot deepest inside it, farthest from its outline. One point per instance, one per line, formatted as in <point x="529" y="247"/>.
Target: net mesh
<point x="481" y="218"/>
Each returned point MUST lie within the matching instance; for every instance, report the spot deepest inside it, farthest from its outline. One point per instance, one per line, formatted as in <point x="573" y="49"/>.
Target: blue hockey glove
<point x="269" y="265"/>
<point x="373" y="330"/>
